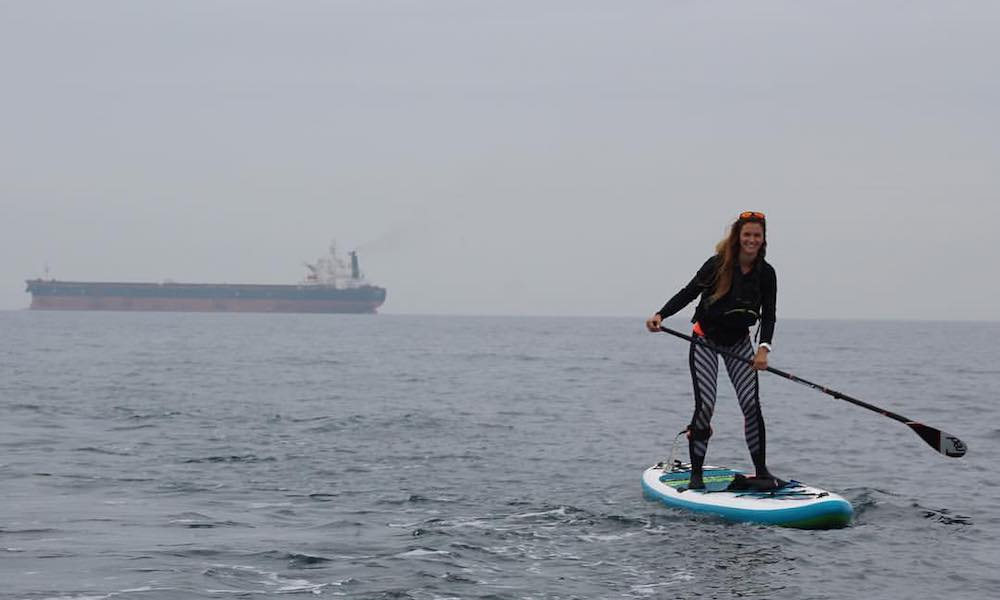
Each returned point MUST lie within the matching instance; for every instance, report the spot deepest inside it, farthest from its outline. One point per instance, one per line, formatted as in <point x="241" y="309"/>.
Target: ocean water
<point x="184" y="456"/>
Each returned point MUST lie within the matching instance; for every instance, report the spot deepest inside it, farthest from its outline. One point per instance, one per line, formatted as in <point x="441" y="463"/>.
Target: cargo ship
<point x="331" y="286"/>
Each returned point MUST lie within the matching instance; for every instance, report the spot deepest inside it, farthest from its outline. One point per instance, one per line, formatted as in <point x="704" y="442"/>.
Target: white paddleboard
<point x="792" y="505"/>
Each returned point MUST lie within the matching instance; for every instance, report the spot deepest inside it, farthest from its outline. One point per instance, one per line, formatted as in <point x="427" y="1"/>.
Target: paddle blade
<point x="945" y="443"/>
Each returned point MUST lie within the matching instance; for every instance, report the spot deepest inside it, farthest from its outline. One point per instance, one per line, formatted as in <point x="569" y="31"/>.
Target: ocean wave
<point x="200" y="521"/>
<point x="944" y="516"/>
<point x="244" y="458"/>
<point x="294" y="560"/>
<point x="243" y="579"/>
<point x="106" y="451"/>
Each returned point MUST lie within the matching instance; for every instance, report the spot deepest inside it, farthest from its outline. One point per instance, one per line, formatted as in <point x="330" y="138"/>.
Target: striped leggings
<point x="704" y="374"/>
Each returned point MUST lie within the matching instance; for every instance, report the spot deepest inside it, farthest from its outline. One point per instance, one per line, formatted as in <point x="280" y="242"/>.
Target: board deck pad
<point x="792" y="505"/>
<point x="716" y="480"/>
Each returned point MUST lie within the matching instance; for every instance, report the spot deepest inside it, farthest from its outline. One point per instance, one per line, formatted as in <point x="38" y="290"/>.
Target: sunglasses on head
<point x="751" y="214"/>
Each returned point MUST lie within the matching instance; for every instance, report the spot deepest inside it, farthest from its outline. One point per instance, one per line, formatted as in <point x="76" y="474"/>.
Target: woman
<point x="737" y="287"/>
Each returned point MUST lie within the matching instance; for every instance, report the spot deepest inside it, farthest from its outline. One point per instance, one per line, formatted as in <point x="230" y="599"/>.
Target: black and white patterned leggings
<point x="704" y="374"/>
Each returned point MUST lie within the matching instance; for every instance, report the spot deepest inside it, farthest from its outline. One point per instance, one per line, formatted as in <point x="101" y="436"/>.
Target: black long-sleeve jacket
<point x="725" y="320"/>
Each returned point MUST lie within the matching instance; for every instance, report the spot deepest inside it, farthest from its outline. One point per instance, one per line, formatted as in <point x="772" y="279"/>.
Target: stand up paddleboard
<point x="792" y="505"/>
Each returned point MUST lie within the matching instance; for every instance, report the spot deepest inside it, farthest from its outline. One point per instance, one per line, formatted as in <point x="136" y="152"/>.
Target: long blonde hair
<point x="728" y="251"/>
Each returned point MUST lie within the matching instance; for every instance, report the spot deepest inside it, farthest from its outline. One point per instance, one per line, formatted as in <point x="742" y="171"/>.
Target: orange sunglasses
<point x="751" y="214"/>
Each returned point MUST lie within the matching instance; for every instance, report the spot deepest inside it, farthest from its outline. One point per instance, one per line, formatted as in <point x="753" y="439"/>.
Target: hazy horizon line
<point x="640" y="318"/>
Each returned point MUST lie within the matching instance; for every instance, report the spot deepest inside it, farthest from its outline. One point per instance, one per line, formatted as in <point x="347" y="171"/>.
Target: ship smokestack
<point x="355" y="269"/>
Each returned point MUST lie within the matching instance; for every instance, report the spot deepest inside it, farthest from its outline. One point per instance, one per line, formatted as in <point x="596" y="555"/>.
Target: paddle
<point x="945" y="443"/>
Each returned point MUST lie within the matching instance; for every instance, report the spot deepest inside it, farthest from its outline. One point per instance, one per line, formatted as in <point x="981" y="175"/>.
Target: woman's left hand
<point x="760" y="360"/>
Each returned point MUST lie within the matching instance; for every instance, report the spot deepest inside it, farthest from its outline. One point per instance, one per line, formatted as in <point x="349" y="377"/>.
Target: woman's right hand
<point x="653" y="323"/>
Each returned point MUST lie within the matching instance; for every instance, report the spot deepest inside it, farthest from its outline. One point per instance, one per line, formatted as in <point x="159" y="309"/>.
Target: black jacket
<point x="728" y="319"/>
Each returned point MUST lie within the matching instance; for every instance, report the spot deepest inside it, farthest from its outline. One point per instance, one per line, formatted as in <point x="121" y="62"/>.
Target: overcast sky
<point x="508" y="157"/>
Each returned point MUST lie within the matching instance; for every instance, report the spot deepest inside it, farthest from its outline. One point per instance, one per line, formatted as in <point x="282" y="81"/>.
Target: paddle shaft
<point x="796" y="379"/>
<point x="945" y="443"/>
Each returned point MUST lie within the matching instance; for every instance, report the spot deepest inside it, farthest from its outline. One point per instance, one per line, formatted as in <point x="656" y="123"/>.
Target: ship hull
<point x="57" y="295"/>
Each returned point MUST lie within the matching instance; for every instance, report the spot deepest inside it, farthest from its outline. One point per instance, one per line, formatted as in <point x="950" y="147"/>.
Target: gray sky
<point x="508" y="157"/>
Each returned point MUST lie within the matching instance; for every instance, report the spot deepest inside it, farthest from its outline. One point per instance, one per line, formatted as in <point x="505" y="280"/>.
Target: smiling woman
<point x="737" y="287"/>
